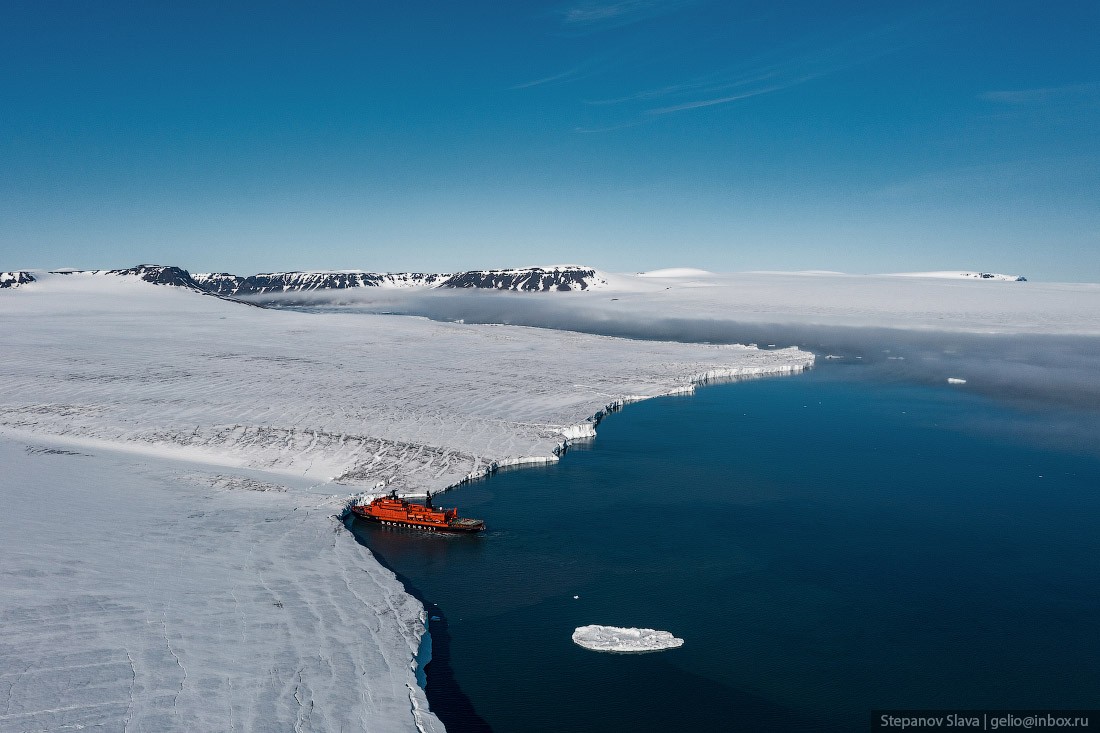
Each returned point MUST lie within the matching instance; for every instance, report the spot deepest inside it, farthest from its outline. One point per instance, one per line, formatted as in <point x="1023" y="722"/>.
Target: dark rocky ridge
<point x="529" y="279"/>
<point x="227" y="285"/>
<point x="162" y="275"/>
<point x="159" y="275"/>
<point x="224" y="283"/>
<point x="15" y="279"/>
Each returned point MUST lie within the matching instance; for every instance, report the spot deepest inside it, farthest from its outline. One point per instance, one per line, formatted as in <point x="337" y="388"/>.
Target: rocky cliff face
<point x="531" y="279"/>
<point x="15" y="279"/>
<point x="161" y="275"/>
<point x="224" y="283"/>
<point x="526" y="279"/>
<point x="536" y="279"/>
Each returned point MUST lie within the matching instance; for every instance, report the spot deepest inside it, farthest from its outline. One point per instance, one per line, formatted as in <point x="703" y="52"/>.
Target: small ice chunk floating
<point x="624" y="641"/>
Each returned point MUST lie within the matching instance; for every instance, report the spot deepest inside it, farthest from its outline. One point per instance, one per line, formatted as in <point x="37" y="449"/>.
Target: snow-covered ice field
<point x="154" y="595"/>
<point x="171" y="466"/>
<point x="108" y="360"/>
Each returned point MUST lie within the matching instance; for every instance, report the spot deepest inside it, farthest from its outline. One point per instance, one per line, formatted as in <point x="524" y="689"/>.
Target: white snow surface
<point x="172" y="464"/>
<point x="624" y="640"/>
<point x="153" y="595"/>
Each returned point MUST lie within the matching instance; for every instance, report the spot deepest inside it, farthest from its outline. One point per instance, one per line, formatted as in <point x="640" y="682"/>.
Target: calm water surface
<point x="824" y="545"/>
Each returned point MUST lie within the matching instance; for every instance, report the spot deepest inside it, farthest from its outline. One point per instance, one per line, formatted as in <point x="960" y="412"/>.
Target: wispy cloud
<point x="696" y="87"/>
<point x="730" y="98"/>
<point x="608" y="128"/>
<point x="562" y="76"/>
<point x="603" y="13"/>
<point x="1043" y="95"/>
<point x="799" y="63"/>
<point x="819" y="53"/>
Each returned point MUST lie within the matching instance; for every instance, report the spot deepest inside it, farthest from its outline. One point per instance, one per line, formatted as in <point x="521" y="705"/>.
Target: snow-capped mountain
<point x="15" y="279"/>
<point x="221" y="283"/>
<point x="412" y="279"/>
<point x="224" y="283"/>
<point x="526" y="279"/>
<point x="156" y="274"/>
<point x="538" y="279"/>
<point x="161" y="275"/>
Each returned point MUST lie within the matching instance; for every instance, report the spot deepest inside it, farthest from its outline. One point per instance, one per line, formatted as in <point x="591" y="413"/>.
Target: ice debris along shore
<point x="624" y="640"/>
<point x="206" y="584"/>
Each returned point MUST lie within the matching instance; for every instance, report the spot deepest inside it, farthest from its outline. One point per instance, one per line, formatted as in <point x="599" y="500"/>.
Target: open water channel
<point x="825" y="545"/>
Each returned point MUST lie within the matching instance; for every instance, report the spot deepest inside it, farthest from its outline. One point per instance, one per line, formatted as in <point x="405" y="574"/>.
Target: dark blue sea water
<point x="826" y="545"/>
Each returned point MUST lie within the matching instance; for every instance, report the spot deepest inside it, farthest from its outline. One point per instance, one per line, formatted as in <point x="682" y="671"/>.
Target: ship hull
<point x="463" y="527"/>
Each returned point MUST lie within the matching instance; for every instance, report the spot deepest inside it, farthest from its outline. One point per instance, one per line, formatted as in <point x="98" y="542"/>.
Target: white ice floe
<point x="171" y="557"/>
<point x="955" y="380"/>
<point x="624" y="640"/>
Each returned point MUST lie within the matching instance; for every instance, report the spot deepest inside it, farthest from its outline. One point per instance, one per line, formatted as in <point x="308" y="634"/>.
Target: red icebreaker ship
<point x="397" y="512"/>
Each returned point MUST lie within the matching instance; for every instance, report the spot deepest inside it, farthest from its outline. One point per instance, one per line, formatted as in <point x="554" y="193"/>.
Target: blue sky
<point x="625" y="134"/>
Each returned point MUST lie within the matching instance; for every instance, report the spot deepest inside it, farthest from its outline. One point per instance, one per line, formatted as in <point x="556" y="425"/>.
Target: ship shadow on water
<point x="445" y="698"/>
